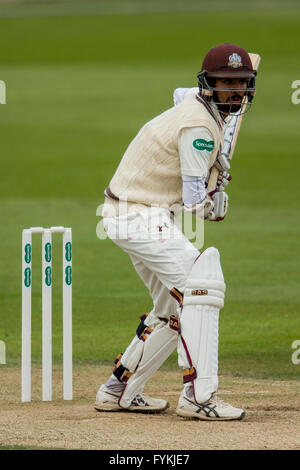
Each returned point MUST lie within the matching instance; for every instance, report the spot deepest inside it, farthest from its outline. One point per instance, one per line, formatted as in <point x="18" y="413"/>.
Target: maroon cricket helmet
<point x="228" y="60"/>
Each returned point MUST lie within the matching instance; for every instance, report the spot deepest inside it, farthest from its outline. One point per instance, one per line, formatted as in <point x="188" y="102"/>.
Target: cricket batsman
<point x="167" y="169"/>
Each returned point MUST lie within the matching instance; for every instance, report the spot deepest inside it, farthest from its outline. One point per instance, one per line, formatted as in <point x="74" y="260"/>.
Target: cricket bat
<point x="213" y="178"/>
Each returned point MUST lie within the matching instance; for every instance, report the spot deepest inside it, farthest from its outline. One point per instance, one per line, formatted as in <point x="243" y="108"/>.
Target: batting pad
<point x="198" y="344"/>
<point x="148" y="355"/>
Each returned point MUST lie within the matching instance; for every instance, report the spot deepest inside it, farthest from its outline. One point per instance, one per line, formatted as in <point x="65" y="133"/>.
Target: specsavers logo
<point x="201" y="144"/>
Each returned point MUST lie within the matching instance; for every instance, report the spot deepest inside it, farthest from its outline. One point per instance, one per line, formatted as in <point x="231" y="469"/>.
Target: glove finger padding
<point x="223" y="180"/>
<point x="220" y="200"/>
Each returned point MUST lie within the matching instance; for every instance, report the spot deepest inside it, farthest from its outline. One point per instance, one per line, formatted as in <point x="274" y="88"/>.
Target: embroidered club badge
<point x="235" y="61"/>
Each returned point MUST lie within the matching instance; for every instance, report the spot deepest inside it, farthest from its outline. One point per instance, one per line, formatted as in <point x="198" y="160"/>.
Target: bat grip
<point x="213" y="178"/>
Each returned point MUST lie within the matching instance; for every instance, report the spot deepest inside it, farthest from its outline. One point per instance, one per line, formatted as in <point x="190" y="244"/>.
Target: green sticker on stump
<point x="27" y="277"/>
<point x="48" y="252"/>
<point x="48" y="276"/>
<point x="27" y="251"/>
<point x="201" y="144"/>
<point x="68" y="251"/>
<point x="68" y="274"/>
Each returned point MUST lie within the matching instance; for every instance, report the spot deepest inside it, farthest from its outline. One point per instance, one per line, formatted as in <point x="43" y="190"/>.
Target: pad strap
<point x="189" y="375"/>
<point x="120" y="371"/>
<point x="178" y="296"/>
<point x="142" y="325"/>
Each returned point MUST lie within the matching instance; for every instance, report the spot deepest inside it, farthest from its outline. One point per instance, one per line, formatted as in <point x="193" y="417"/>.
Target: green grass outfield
<point x="80" y="83"/>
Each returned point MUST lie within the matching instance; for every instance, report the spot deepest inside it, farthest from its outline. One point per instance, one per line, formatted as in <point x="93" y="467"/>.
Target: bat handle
<point x="212" y="182"/>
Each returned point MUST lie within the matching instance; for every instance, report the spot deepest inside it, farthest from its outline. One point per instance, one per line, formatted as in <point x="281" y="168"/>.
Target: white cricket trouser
<point x="163" y="257"/>
<point x="161" y="254"/>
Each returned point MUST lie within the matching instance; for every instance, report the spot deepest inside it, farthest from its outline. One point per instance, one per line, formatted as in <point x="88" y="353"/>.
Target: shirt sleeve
<point x="179" y="94"/>
<point x="195" y="146"/>
<point x="193" y="190"/>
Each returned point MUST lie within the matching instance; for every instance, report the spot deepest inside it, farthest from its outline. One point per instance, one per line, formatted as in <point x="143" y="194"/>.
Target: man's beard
<point x="228" y="107"/>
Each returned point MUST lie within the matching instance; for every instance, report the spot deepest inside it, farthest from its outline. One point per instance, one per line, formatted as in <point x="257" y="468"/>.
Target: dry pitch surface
<point x="272" y="416"/>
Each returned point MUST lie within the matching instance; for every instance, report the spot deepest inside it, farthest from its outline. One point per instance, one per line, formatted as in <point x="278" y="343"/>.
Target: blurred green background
<point x="82" y="78"/>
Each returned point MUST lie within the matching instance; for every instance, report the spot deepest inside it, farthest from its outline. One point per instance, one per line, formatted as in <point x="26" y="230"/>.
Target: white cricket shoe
<point x="214" y="409"/>
<point x="106" y="400"/>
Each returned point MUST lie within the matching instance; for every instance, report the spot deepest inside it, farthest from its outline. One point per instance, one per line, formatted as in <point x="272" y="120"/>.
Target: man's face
<point x="232" y="99"/>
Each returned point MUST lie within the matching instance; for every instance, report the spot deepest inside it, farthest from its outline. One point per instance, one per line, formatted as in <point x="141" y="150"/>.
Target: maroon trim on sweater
<point x="108" y="192"/>
<point x="202" y="101"/>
